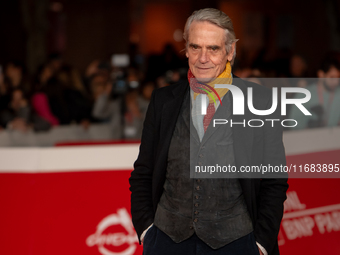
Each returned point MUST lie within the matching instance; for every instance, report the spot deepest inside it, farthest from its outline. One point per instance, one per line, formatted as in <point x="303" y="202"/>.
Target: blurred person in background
<point x="47" y="100"/>
<point x="91" y="70"/>
<point x="168" y="60"/>
<point x="298" y="72"/>
<point x="173" y="76"/>
<point x="324" y="104"/>
<point x="161" y="82"/>
<point x="134" y="77"/>
<point x="59" y="95"/>
<point x="94" y="68"/>
<point x="15" y="110"/>
<point x="132" y="115"/>
<point x="298" y="66"/>
<point x="106" y="109"/>
<point x="11" y="78"/>
<point x="145" y="97"/>
<point x="17" y="115"/>
<point x="76" y="96"/>
<point x="136" y="104"/>
<point x="70" y="85"/>
<point x="15" y="77"/>
<point x="147" y="90"/>
<point x="4" y="98"/>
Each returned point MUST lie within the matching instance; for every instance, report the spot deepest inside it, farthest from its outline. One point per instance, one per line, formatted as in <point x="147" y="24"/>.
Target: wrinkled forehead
<point x="206" y="33"/>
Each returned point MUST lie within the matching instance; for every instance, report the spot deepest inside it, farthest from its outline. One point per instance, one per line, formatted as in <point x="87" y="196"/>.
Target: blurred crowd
<point x="58" y="94"/>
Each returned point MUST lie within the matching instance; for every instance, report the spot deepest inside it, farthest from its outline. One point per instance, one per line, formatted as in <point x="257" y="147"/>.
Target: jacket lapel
<point x="169" y="117"/>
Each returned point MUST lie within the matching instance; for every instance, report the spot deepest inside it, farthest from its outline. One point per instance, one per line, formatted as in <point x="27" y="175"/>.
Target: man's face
<point x="206" y="50"/>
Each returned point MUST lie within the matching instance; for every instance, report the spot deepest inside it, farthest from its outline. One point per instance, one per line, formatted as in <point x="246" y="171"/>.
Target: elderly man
<point x="175" y="211"/>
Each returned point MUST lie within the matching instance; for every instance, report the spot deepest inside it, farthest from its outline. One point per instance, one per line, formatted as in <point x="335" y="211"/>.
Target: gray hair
<point x="217" y="18"/>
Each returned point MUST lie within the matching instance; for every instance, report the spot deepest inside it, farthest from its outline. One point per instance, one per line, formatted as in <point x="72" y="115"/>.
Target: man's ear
<point x="186" y="53"/>
<point x="231" y="52"/>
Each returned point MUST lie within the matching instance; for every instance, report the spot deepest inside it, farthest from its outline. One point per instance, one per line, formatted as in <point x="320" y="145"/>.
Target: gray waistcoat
<point x="212" y="208"/>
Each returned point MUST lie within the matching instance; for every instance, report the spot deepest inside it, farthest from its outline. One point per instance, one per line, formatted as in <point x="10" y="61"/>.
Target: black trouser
<point x="157" y="242"/>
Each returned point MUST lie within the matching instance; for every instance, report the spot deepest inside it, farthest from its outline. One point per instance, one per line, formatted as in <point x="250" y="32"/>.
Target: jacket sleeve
<point x="141" y="177"/>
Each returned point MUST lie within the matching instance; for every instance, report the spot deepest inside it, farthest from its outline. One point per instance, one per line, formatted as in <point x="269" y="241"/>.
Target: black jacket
<point x="252" y="146"/>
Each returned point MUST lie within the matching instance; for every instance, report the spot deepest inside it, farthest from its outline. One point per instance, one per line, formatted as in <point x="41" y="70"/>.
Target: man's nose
<point x="204" y="57"/>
